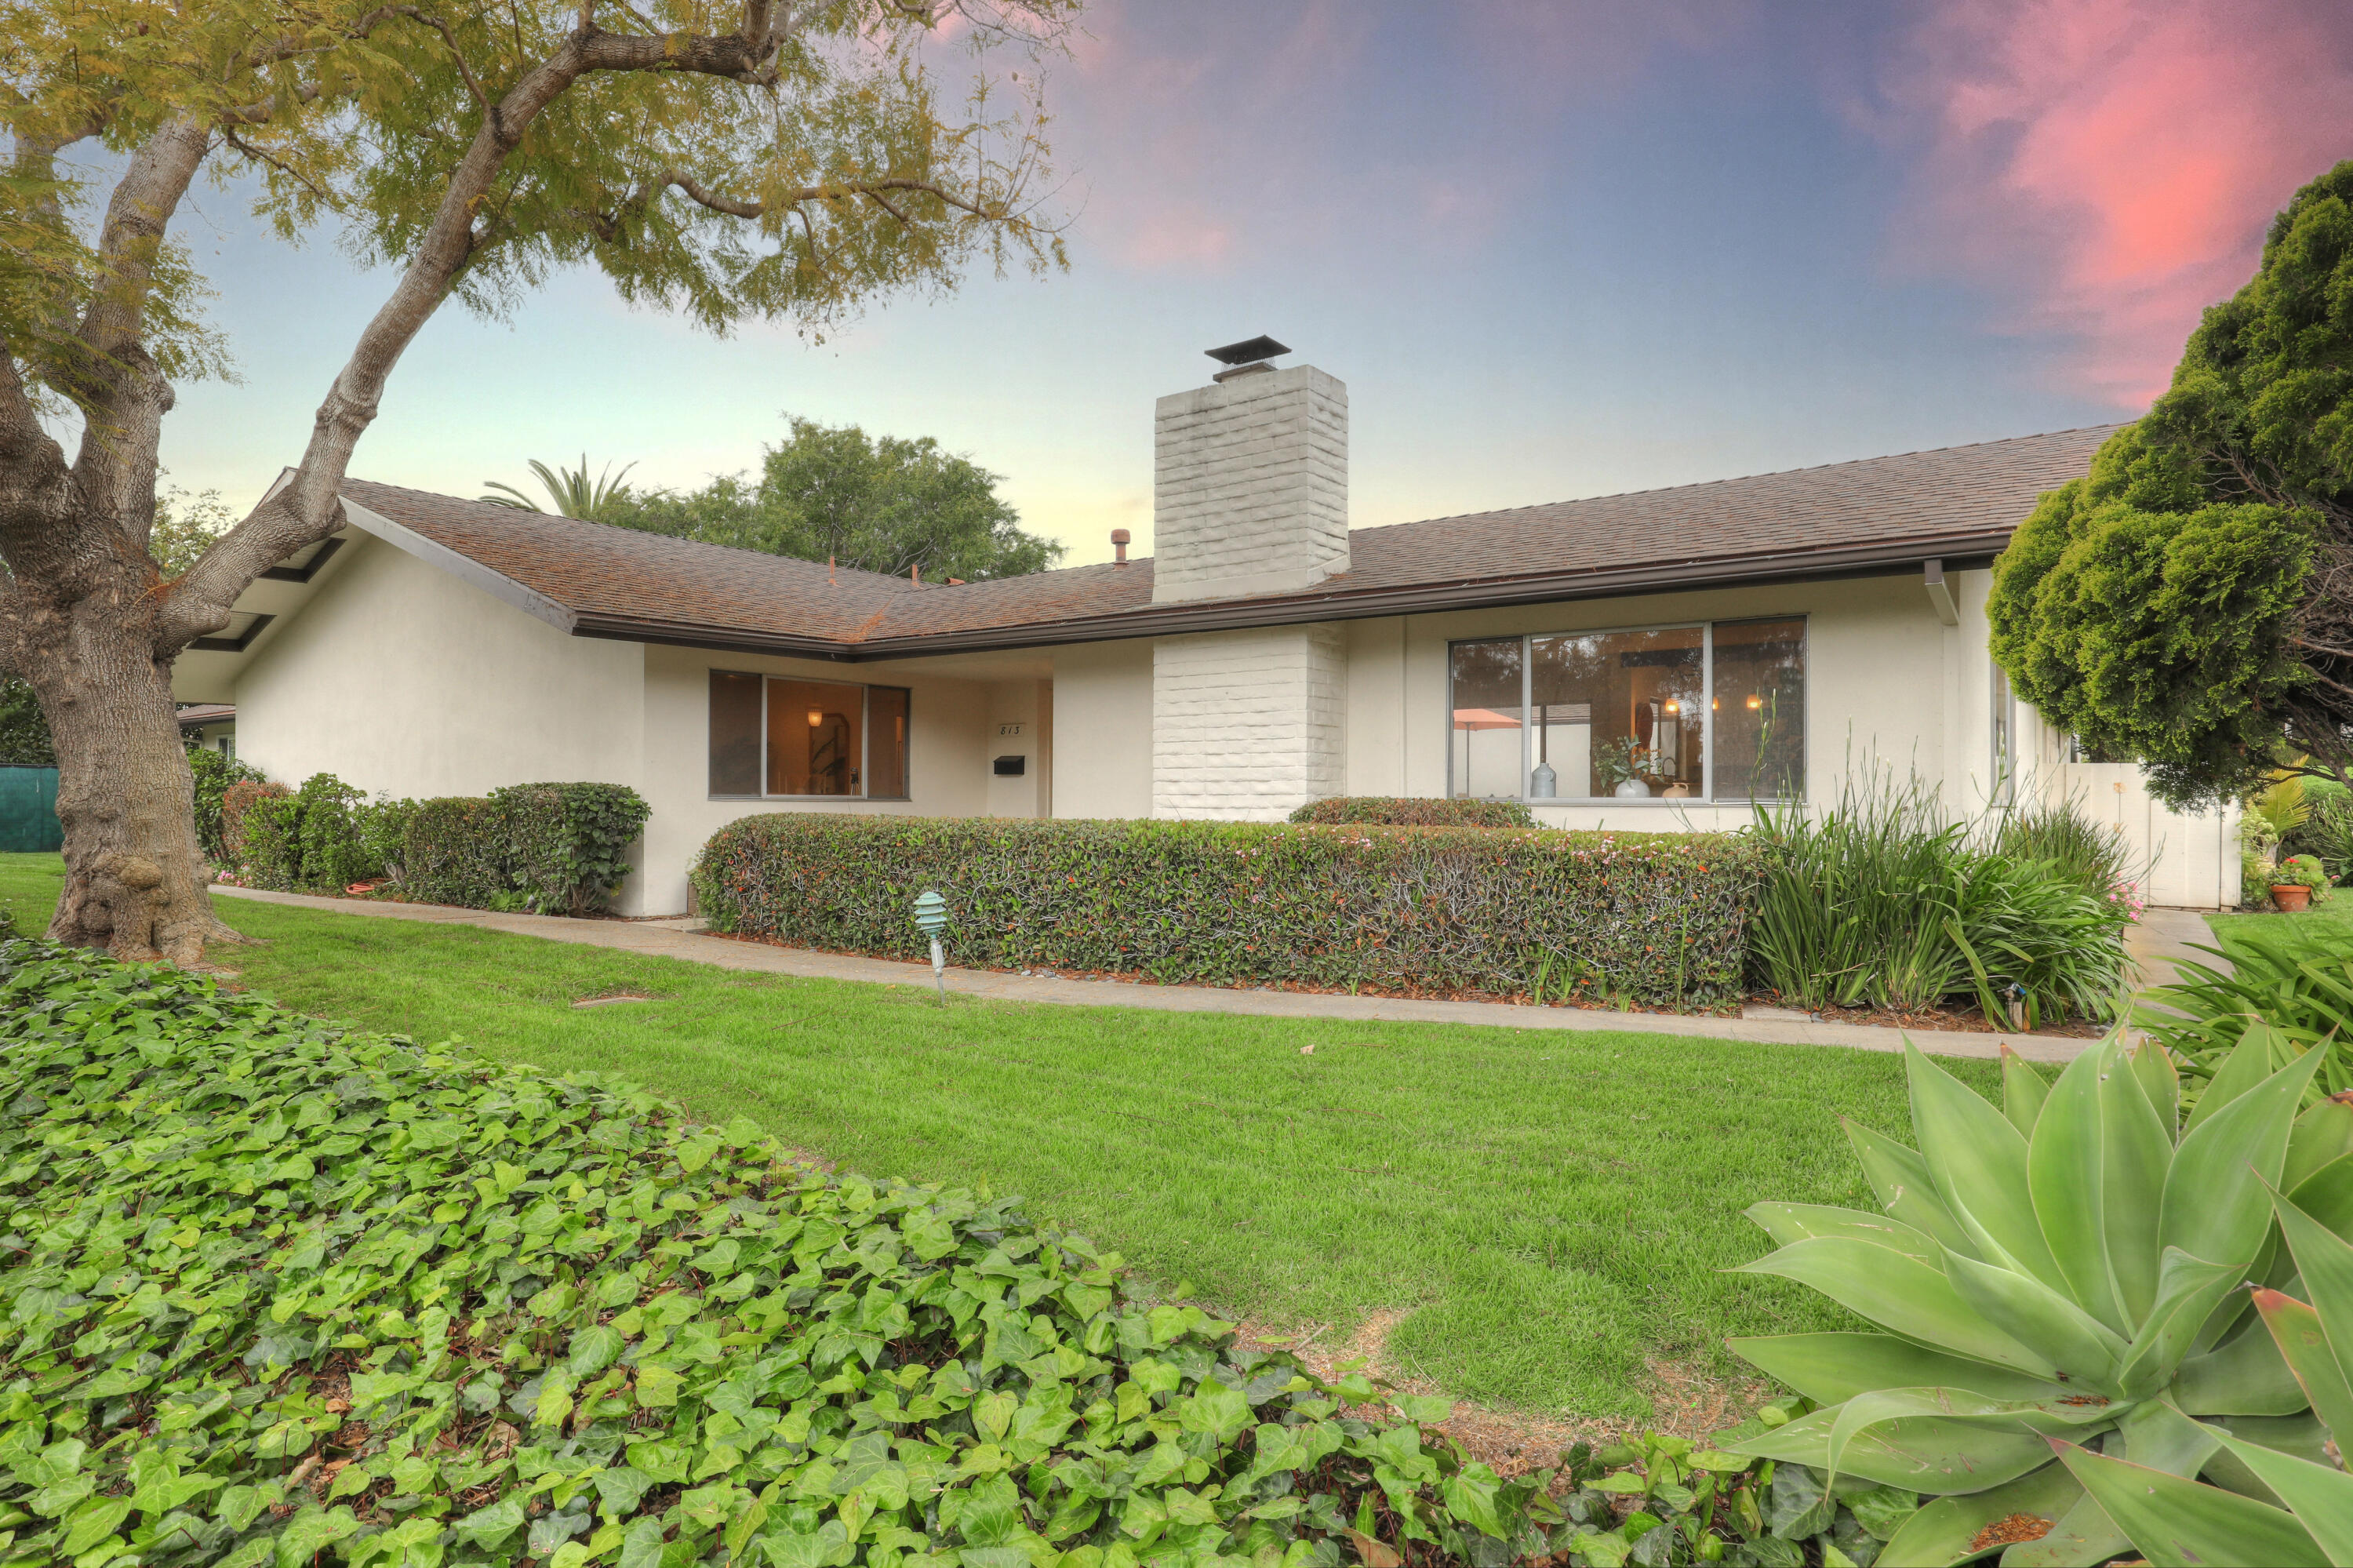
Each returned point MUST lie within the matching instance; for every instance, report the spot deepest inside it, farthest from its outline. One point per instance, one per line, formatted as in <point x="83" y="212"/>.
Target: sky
<point x="1555" y="248"/>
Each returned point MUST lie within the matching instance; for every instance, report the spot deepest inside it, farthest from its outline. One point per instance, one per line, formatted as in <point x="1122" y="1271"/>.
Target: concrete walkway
<point x="676" y="939"/>
<point x="2167" y="936"/>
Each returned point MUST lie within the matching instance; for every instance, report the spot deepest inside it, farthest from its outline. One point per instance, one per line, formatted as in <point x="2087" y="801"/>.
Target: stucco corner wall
<point x="1101" y="718"/>
<point x="399" y="678"/>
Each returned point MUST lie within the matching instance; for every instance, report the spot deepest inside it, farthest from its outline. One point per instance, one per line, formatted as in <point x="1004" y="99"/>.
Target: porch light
<point x="1674" y="707"/>
<point x="1756" y="702"/>
<point x="816" y="716"/>
<point x="931" y="920"/>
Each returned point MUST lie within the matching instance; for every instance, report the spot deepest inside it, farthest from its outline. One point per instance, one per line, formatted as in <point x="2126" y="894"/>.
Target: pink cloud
<point x="2107" y="167"/>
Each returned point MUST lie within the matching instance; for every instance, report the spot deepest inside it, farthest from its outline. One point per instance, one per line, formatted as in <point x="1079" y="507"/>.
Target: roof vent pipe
<point x="1119" y="537"/>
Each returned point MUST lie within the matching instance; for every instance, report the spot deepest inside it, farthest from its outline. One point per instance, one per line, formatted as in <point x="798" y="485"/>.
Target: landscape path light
<point x="931" y="920"/>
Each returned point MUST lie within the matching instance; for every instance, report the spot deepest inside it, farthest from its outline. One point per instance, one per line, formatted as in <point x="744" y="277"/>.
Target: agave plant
<point x="2174" y="1519"/>
<point x="2070" y="1266"/>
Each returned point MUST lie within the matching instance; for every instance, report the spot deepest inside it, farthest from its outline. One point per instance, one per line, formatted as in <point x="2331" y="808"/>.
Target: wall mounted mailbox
<point x="1012" y="766"/>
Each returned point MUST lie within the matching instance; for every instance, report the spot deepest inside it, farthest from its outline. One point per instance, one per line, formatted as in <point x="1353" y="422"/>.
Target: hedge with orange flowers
<point x="1651" y="918"/>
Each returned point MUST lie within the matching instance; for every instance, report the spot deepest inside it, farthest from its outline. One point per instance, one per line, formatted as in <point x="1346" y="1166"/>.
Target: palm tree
<point x="573" y="495"/>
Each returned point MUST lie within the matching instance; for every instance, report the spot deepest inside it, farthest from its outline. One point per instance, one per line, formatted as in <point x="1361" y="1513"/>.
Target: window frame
<point x="865" y="727"/>
<point x="1706" y="629"/>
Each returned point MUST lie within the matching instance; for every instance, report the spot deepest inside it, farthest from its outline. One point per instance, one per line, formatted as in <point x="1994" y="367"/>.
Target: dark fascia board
<point x="236" y="644"/>
<point x="309" y="569"/>
<point x="1959" y="553"/>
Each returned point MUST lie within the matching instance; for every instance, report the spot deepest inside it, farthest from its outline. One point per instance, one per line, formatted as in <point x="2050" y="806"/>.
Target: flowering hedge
<point x="1414" y="811"/>
<point x="1657" y="918"/>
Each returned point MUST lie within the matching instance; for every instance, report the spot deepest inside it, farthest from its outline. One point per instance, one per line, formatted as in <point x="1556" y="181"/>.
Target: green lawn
<point x="2333" y="919"/>
<point x="1553" y="1210"/>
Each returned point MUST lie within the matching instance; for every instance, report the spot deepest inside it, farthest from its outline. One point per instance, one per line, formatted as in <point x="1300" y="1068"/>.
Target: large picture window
<point x="1711" y="712"/>
<point x="771" y="735"/>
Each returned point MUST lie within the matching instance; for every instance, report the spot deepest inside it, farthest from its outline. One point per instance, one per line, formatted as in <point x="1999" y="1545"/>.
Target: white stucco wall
<point x="1884" y="681"/>
<point x="1245" y="725"/>
<point x="399" y="678"/>
<point x="1102" y="717"/>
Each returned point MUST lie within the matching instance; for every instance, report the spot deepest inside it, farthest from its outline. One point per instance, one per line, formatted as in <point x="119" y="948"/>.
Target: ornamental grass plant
<point x="1882" y="900"/>
<point x="2299" y="983"/>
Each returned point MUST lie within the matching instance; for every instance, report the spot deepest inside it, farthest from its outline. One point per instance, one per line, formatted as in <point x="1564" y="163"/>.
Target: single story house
<point x="209" y="726"/>
<point x="1661" y="660"/>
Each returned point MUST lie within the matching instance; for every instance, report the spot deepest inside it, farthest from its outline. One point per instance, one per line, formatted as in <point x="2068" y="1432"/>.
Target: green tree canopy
<point x="882" y="504"/>
<point x="2189" y="601"/>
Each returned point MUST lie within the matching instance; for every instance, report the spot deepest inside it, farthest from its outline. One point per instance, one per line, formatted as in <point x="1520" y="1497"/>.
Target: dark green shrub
<point x="276" y="1293"/>
<point x="2326" y="832"/>
<point x="1414" y="811"/>
<point x="236" y="800"/>
<point x="214" y="775"/>
<point x="309" y="841"/>
<point x="1656" y="918"/>
<point x="559" y="849"/>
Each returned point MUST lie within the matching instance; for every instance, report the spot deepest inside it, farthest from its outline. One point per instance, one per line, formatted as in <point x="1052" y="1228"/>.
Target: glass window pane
<point x="814" y="737"/>
<point x="734" y="734"/>
<point x="1617" y="714"/>
<point x="1761" y="710"/>
<point x="886" y="742"/>
<point x="1486" y="744"/>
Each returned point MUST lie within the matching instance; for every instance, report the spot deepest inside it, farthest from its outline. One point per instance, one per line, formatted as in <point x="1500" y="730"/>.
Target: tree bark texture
<point x="135" y="879"/>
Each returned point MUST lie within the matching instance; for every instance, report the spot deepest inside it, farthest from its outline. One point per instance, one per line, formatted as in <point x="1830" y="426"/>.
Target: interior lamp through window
<point x="816" y="716"/>
<point x="1756" y="702"/>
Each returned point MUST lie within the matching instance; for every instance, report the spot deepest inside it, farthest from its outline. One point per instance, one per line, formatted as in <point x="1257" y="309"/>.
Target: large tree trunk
<point x="135" y="880"/>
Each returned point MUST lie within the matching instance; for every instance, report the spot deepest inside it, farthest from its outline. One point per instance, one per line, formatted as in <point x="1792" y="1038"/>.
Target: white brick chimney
<point x="1249" y="496"/>
<point x="1250" y="484"/>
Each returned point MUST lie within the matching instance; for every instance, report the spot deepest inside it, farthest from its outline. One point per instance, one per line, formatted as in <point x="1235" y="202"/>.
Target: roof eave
<point x="1957" y="551"/>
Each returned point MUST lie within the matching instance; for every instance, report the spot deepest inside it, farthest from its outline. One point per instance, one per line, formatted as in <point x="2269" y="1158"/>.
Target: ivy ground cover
<point x="279" y="1293"/>
<point x="1552" y="1211"/>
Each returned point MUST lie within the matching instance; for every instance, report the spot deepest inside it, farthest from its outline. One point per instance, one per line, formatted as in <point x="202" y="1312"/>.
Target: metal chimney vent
<point x="1247" y="350"/>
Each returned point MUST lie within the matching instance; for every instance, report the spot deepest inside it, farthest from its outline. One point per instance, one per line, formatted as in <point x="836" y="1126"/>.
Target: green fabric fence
<point x="28" y="810"/>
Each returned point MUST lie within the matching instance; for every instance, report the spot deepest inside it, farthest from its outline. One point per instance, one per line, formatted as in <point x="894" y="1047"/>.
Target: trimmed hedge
<point x="1655" y="918"/>
<point x="557" y="849"/>
<point x="1414" y="811"/>
<point x="278" y="1294"/>
<point x="552" y="848"/>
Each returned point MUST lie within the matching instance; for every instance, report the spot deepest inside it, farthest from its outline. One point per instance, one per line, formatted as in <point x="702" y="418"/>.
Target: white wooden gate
<point x="2191" y="859"/>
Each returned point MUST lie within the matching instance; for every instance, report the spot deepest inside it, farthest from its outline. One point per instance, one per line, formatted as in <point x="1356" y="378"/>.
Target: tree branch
<point x="309" y="506"/>
<point x="702" y="196"/>
<point x="457" y="56"/>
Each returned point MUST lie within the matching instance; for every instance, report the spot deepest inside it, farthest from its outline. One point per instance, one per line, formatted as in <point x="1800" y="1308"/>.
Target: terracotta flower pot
<point x="2291" y="896"/>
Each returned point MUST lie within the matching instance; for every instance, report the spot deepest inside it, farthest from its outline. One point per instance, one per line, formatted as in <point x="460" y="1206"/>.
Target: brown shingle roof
<point x="1954" y="502"/>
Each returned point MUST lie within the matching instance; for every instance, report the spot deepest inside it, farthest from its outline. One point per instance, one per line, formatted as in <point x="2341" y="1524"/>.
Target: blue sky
<point x="1554" y="249"/>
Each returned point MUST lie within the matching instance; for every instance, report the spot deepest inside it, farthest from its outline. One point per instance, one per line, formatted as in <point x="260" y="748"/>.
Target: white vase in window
<point x="1633" y="789"/>
<point x="1544" y="783"/>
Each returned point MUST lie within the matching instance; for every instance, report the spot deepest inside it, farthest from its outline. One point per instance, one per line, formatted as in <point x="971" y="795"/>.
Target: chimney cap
<point x="1247" y="350"/>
